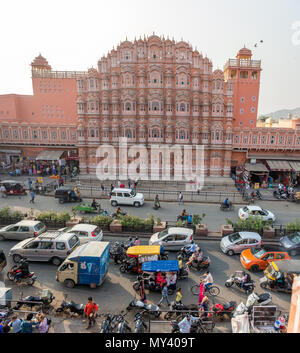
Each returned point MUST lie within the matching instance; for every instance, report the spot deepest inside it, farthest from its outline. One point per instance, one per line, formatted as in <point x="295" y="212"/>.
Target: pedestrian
<point x="141" y="289"/>
<point x="3" y="191"/>
<point x="137" y="241"/>
<point x="180" y="198"/>
<point x="203" y="307"/>
<point x="29" y="183"/>
<point x="32" y="196"/>
<point x="178" y="296"/>
<point x="90" y="311"/>
<point x="164" y="295"/>
<point x="102" y="189"/>
<point x="61" y="181"/>
<point x="43" y="323"/>
<point x="111" y="187"/>
<point x="30" y="171"/>
<point x="129" y="183"/>
<point x="15" y="324"/>
<point x="27" y="325"/>
<point x="119" y="183"/>
<point x="201" y="292"/>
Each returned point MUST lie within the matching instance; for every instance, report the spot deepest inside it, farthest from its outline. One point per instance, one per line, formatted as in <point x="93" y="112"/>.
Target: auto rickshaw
<point x="13" y="187"/>
<point x="137" y="255"/>
<point x="279" y="276"/>
<point x="67" y="194"/>
<point x="156" y="273"/>
<point x="88" y="208"/>
<point x="3" y="261"/>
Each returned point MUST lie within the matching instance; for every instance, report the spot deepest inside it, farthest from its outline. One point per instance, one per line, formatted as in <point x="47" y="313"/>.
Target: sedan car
<point x="85" y="232"/>
<point x="172" y="238"/>
<point x="248" y="211"/>
<point x="22" y="230"/>
<point x="237" y="242"/>
<point x="257" y="259"/>
<point x="291" y="243"/>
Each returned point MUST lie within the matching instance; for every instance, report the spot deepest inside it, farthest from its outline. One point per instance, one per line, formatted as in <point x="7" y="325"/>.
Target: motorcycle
<point x="185" y="252"/>
<point x="114" y="214"/>
<point x="188" y="219"/>
<point x="183" y="273"/>
<point x="44" y="300"/>
<point x="228" y="207"/>
<point x="200" y="265"/>
<point x="122" y="324"/>
<point x="177" y="307"/>
<point x="280" y="194"/>
<point x="71" y="307"/>
<point x="256" y="195"/>
<point x="108" y="324"/>
<point x="220" y="310"/>
<point x="234" y="279"/>
<point x="140" y="324"/>
<point x="147" y="308"/>
<point x="118" y="252"/>
<point x="29" y="278"/>
<point x="252" y="300"/>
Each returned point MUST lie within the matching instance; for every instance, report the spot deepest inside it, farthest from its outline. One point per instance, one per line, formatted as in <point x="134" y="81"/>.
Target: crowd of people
<point x="39" y="322"/>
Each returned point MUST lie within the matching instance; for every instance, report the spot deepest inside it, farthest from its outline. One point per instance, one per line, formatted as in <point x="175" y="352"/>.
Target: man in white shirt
<point x="207" y="279"/>
<point x="186" y="323"/>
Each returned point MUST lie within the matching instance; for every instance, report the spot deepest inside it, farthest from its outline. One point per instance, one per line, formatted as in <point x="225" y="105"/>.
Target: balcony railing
<point x="243" y="63"/>
<point x="58" y="74"/>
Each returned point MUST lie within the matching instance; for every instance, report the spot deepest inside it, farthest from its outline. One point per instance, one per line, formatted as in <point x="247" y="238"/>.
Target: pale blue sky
<point x="74" y="34"/>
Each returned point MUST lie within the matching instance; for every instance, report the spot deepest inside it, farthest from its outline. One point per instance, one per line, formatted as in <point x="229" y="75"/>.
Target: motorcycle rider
<point x="186" y="324"/>
<point x="196" y="256"/>
<point x="131" y="242"/>
<point x="24" y="270"/>
<point x="94" y="204"/>
<point x="191" y="249"/>
<point x="184" y="215"/>
<point x="207" y="280"/>
<point x="131" y="263"/>
<point x="156" y="202"/>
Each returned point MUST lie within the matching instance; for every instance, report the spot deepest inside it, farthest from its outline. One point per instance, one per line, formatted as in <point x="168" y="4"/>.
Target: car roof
<point x="178" y="230"/>
<point x="83" y="226"/>
<point x="251" y="235"/>
<point x="60" y="236"/>
<point x="254" y="208"/>
<point x="121" y="190"/>
<point x="26" y="222"/>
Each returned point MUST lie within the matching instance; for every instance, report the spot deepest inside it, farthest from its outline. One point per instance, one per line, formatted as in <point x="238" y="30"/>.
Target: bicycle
<point x="212" y="290"/>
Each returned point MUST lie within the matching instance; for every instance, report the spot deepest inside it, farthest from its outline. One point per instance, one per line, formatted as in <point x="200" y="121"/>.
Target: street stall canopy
<point x="49" y="155"/>
<point x="11" y="151"/>
<point x="295" y="166"/>
<point x="161" y="266"/>
<point x="257" y="167"/>
<point x="275" y="165"/>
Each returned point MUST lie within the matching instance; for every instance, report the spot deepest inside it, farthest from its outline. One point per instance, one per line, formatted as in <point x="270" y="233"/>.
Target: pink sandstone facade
<point x="153" y="91"/>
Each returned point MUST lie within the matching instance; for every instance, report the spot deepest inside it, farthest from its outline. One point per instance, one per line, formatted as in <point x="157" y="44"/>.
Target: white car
<point x="172" y="238"/>
<point x="85" y="232"/>
<point x="122" y="196"/>
<point x="248" y="211"/>
<point x="237" y="242"/>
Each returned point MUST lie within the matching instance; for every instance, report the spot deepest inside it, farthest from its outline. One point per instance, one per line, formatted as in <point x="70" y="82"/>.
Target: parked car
<point x="85" y="232"/>
<point x="248" y="211"/>
<point x="172" y="238"/>
<point x="122" y="196"/>
<point x="237" y="242"/>
<point x="22" y="230"/>
<point x="50" y="246"/>
<point x="257" y="259"/>
<point x="291" y="243"/>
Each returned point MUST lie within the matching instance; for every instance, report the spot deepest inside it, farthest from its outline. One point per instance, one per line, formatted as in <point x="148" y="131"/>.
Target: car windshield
<point x="295" y="238"/>
<point x="258" y="252"/>
<point x="163" y="233"/>
<point x="245" y="209"/>
<point x="39" y="226"/>
<point x="73" y="241"/>
<point x="234" y="237"/>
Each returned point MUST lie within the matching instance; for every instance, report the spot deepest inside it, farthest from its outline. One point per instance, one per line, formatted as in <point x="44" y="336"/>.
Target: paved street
<point x="284" y="211"/>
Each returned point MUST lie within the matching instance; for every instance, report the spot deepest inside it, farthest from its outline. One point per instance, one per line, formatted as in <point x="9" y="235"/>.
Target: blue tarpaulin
<point x="161" y="266"/>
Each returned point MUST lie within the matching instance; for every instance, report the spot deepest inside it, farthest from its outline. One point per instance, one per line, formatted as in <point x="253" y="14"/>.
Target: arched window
<point x="155" y="106"/>
<point x="128" y="106"/>
<point x="182" y="135"/>
<point x="182" y="107"/>
<point x="155" y="133"/>
<point x="128" y="133"/>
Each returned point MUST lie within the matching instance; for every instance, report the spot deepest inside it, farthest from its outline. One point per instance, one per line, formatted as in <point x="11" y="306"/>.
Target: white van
<point x="122" y="196"/>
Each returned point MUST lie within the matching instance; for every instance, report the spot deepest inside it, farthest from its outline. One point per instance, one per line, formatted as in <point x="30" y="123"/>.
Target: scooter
<point x="188" y="220"/>
<point x="71" y="307"/>
<point x="140" y="324"/>
<point x="28" y="279"/>
<point x="200" y="265"/>
<point x="280" y="195"/>
<point x="234" y="280"/>
<point x="223" y="207"/>
<point x="253" y="299"/>
<point x="177" y="307"/>
<point x="107" y="325"/>
<point x="220" y="310"/>
<point x="185" y="252"/>
<point x="256" y="194"/>
<point x="44" y="300"/>
<point x="147" y="308"/>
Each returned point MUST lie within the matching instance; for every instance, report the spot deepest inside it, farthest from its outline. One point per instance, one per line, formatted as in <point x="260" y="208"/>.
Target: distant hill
<point x="283" y="113"/>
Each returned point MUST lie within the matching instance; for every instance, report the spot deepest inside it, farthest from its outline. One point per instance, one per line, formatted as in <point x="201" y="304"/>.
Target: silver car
<point x="237" y="242"/>
<point x="173" y="238"/>
<point x="22" y="230"/>
<point x="50" y="246"/>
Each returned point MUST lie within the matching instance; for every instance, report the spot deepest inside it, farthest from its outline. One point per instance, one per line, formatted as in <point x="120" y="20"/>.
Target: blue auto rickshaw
<point x="156" y="273"/>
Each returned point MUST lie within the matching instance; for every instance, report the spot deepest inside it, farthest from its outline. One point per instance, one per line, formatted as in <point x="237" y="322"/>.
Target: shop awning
<point x="257" y="167"/>
<point x="295" y="166"/>
<point x="11" y="151"/>
<point x="49" y="155"/>
<point x="281" y="166"/>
